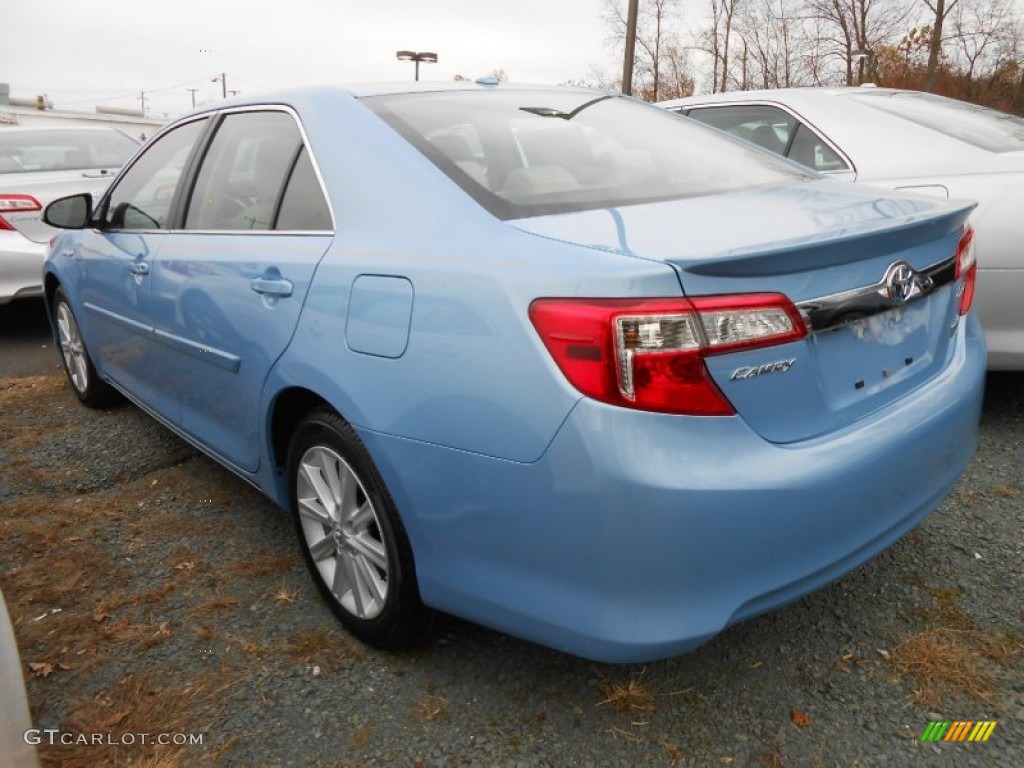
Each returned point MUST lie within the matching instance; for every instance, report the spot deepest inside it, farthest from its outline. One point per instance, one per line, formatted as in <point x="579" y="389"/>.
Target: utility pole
<point x="193" y="92"/>
<point x="627" y="62"/>
<point x="142" y="98"/>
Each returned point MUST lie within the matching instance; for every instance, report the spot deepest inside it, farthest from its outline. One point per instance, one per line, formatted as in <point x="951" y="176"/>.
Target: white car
<point x="909" y="141"/>
<point x="38" y="165"/>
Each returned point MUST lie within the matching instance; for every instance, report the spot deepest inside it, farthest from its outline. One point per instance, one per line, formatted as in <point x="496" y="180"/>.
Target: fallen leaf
<point x="727" y="760"/>
<point x="757" y="664"/>
<point x="40" y="668"/>
<point x="114" y="719"/>
<point x="801" y="719"/>
<point x="100" y="616"/>
<point x="882" y="652"/>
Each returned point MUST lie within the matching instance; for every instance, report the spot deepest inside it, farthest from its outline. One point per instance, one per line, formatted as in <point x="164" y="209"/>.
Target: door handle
<point x="272" y="286"/>
<point x="139" y="268"/>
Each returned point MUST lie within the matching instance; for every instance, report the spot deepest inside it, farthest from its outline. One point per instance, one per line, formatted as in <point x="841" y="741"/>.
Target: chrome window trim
<point x="838" y="309"/>
<point x="262" y="232"/>
<point x="790" y="111"/>
<point x="213" y="115"/>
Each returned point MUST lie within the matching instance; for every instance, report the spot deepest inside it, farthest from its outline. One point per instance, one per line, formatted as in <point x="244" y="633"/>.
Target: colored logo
<point x="958" y="730"/>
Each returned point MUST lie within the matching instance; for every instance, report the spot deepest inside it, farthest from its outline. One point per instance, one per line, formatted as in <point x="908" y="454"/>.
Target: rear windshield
<point x="523" y="153"/>
<point x="63" y="150"/>
<point x="980" y="126"/>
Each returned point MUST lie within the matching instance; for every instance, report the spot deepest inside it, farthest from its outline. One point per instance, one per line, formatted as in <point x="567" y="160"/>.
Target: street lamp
<point x="414" y="56"/>
<point x="223" y="83"/>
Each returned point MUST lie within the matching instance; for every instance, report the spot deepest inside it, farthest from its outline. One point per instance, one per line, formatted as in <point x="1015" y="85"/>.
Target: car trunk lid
<point x="873" y="277"/>
<point x="45" y="187"/>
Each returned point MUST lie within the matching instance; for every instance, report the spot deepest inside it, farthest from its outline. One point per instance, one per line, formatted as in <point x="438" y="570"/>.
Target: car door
<point x="231" y="281"/>
<point x="116" y="260"/>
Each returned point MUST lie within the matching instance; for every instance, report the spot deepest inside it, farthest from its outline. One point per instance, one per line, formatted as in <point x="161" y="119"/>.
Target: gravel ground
<point x="152" y="591"/>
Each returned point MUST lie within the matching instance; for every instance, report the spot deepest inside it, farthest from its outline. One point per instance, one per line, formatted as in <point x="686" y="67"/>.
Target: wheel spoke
<point x="370" y="583"/>
<point x="322" y="549"/>
<point x="312" y="509"/>
<point x="346" y="579"/>
<point x="362" y="516"/>
<point x="314" y="477"/>
<point x="347" y="496"/>
<point x="371" y="549"/>
<point x="80" y="372"/>
<point x="336" y="477"/>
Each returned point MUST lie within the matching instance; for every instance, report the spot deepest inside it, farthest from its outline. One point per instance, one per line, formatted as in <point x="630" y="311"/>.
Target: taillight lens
<point x="16" y="204"/>
<point x="649" y="353"/>
<point x="967" y="268"/>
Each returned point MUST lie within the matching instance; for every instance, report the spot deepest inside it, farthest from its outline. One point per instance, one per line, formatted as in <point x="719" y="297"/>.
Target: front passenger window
<point x="142" y="198"/>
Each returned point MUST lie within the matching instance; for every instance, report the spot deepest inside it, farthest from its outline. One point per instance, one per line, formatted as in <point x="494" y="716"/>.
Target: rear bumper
<point x="21" y="266"/>
<point x="639" y="536"/>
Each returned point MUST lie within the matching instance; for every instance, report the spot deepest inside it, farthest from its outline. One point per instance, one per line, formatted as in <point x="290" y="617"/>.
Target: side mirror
<point x="72" y="212"/>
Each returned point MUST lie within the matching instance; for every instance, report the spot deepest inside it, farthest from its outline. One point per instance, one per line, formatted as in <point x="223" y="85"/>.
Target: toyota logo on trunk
<point x="902" y="283"/>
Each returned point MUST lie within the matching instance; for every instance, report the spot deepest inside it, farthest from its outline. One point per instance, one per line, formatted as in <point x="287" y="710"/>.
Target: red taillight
<point x="967" y="268"/>
<point x="16" y="204"/>
<point x="649" y="353"/>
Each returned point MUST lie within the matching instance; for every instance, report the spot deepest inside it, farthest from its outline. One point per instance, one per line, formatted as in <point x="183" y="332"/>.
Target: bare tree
<point x="717" y="40"/>
<point x="939" y="11"/>
<point x="661" y="64"/>
<point x="847" y="27"/>
<point x="986" y="35"/>
<point x="770" y="35"/>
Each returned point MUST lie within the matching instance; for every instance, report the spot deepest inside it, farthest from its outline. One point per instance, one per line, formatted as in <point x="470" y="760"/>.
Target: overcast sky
<point x="81" y="53"/>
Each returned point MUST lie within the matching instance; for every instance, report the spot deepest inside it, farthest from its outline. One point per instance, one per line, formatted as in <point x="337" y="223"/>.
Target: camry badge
<point x="750" y="371"/>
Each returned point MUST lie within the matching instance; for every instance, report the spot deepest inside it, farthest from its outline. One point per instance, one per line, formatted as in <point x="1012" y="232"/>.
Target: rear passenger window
<point x="811" y="150"/>
<point x="243" y="174"/>
<point x="768" y="127"/>
<point x="303" y="206"/>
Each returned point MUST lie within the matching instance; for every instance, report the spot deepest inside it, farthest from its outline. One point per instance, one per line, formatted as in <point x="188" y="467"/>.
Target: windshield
<point x="524" y="153"/>
<point x="63" y="150"/>
<point x="980" y="126"/>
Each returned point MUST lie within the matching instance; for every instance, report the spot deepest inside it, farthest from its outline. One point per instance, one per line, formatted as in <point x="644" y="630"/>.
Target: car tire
<point x="85" y="383"/>
<point x="351" y="536"/>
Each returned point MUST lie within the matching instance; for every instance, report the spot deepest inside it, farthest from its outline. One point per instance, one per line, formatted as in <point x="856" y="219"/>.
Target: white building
<point x="40" y="112"/>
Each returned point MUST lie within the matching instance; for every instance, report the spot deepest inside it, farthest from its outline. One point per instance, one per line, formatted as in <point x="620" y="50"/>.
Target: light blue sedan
<point x="551" y="360"/>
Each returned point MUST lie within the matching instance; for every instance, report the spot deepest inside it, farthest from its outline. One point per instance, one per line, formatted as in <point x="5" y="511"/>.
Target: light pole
<point x="860" y="56"/>
<point x="193" y="92"/>
<point x="414" y="56"/>
<point x="627" y="59"/>
<point x="223" y="84"/>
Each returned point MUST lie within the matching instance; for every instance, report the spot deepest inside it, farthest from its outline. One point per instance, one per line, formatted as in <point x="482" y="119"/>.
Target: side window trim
<point x="279" y="201"/>
<point x="797" y="117"/>
<point x="184" y="192"/>
<point x="195" y="163"/>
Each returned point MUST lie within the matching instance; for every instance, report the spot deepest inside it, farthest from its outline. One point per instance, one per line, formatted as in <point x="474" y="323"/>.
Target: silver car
<point x="38" y="165"/>
<point x="910" y="141"/>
